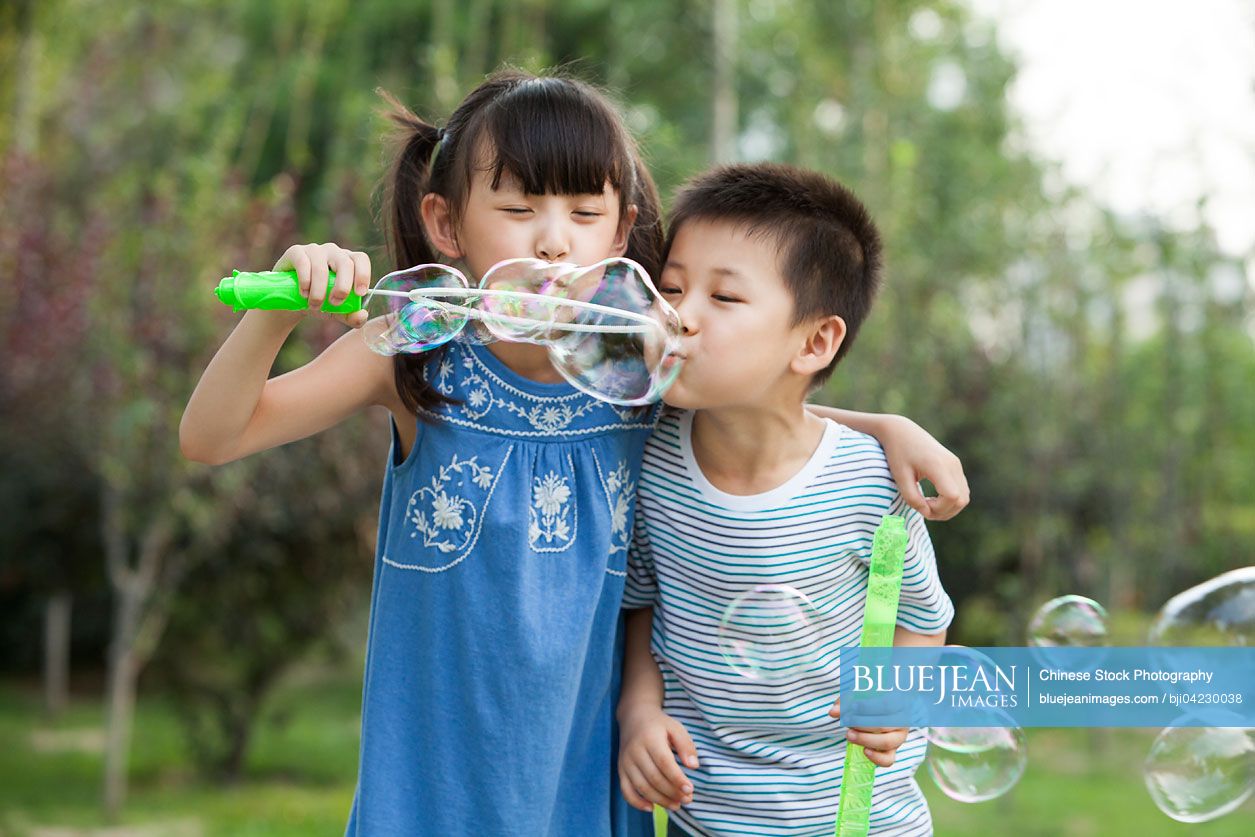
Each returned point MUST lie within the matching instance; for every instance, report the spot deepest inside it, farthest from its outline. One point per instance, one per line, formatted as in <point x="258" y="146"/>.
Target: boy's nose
<point x="688" y="318"/>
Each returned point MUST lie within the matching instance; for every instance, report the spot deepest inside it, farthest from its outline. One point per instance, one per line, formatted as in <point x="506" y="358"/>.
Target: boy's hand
<point x="648" y="772"/>
<point x="312" y="263"/>
<point x="879" y="743"/>
<point x="913" y="455"/>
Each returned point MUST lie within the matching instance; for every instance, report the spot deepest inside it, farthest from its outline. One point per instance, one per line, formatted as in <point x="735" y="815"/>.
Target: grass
<point x="301" y="770"/>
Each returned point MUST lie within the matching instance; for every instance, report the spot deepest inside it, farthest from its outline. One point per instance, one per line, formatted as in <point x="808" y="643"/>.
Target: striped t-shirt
<point x="771" y="756"/>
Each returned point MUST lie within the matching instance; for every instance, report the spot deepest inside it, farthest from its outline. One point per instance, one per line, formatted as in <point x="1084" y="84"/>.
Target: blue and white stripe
<point x="771" y="757"/>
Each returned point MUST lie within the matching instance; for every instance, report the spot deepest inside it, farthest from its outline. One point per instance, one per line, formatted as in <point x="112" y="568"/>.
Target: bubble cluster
<point x="608" y="331"/>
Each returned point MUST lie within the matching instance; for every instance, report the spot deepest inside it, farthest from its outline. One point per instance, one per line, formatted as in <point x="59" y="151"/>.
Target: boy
<point x="772" y="270"/>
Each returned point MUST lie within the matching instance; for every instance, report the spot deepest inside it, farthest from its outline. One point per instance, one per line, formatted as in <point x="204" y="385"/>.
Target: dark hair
<point x="828" y="247"/>
<point x="554" y="134"/>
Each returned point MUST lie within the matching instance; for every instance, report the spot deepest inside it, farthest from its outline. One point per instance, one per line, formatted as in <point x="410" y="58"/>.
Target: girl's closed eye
<point x="515" y="210"/>
<point x="669" y="290"/>
<point x="725" y="298"/>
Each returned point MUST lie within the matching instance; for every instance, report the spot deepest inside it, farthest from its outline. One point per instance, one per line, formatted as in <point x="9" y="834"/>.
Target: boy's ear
<point x="625" y="230"/>
<point x="438" y="223"/>
<point x="822" y="343"/>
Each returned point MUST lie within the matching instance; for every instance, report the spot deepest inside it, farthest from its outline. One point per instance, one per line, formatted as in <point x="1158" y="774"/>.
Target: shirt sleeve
<point x="641" y="587"/>
<point x="923" y="606"/>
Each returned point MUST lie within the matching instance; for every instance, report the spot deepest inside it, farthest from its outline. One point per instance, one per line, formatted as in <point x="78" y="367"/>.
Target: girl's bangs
<point x="553" y="140"/>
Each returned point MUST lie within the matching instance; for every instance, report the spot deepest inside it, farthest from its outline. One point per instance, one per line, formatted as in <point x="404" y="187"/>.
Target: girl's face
<point x="506" y="223"/>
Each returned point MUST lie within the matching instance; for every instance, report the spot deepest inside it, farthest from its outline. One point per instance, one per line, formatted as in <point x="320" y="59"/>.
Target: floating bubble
<point x="1196" y="774"/>
<point x="976" y="764"/>
<point x="1219" y="612"/>
<point x="1069" y="621"/>
<point x="770" y="632"/>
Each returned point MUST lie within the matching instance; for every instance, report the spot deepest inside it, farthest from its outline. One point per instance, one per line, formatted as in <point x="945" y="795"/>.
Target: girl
<point x="491" y="663"/>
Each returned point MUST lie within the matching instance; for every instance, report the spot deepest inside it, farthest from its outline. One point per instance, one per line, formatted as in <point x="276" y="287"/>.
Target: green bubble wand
<point x="279" y="290"/>
<point x="880" y="616"/>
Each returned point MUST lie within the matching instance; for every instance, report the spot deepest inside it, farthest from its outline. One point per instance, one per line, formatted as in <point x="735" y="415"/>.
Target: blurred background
<point x="1067" y="190"/>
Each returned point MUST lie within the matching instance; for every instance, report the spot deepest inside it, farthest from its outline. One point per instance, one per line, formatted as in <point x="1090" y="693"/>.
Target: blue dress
<point x="492" y="663"/>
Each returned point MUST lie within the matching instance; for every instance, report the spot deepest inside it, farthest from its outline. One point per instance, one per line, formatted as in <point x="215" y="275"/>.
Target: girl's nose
<point x="552" y="246"/>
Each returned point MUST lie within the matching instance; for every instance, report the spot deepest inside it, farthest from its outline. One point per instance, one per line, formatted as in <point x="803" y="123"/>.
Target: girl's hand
<point x="312" y="263"/>
<point x="648" y="772"/>
<point x="913" y="455"/>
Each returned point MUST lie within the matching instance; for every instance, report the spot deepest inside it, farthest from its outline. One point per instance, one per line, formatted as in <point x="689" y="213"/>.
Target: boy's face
<point x="740" y="342"/>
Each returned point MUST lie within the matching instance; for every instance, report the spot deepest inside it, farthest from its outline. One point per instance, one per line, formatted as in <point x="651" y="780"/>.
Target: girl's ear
<point x="438" y="222"/>
<point x="625" y="231"/>
<point x="825" y="338"/>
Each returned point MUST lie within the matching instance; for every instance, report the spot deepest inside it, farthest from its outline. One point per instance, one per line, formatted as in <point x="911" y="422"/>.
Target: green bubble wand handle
<point x="884" y="584"/>
<point x="276" y="290"/>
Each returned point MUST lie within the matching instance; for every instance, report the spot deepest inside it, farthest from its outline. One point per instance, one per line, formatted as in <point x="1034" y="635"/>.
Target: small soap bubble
<point x="1196" y="774"/>
<point x="1069" y="622"/>
<point x="1219" y="612"/>
<point x="770" y="632"/>
<point x="976" y="764"/>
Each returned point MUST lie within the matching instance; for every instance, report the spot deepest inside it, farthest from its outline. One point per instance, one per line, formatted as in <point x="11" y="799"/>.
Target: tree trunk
<point x="135" y="631"/>
<point x="120" y="708"/>
<point x="57" y="652"/>
<point x="723" y="123"/>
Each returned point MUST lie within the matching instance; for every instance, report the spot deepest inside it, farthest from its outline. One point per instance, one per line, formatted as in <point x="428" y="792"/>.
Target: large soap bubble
<point x="1069" y="622"/>
<point x="1219" y="612"/>
<point x="770" y="632"/>
<point x="608" y="331"/>
<point x="975" y="764"/>
<point x="1195" y="774"/>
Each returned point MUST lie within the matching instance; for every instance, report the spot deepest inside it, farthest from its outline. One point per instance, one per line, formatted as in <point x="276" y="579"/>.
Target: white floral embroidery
<point x="447" y="520"/>
<point x="481" y="392"/>
<point x="447" y="511"/>
<point x="550" y="515"/>
<point x="442" y="376"/>
<point x="427" y="511"/>
<point x="619" y="490"/>
<point x="550" y="494"/>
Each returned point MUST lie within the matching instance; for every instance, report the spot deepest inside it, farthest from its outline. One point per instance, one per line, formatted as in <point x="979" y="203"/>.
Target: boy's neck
<point x="751" y="450"/>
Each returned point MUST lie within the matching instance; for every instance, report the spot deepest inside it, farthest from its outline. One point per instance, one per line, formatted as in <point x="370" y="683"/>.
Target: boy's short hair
<point x="827" y="245"/>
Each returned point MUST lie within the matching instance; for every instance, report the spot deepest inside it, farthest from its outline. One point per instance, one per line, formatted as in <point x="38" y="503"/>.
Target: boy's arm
<point x="642" y="681"/>
<point x="903" y="637"/>
<point x="648" y="772"/>
<point x="913" y="455"/>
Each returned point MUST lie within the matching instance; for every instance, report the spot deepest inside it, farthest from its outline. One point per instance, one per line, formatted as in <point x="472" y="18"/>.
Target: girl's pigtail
<point x="408" y="180"/>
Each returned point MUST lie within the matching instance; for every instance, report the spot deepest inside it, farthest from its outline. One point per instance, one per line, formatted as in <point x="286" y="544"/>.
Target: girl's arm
<point x="913" y="455"/>
<point x="236" y="410"/>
